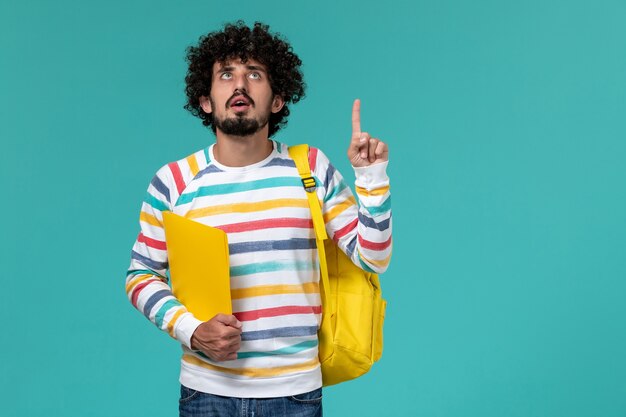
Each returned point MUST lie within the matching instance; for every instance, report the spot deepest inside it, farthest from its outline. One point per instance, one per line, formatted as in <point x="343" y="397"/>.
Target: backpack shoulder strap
<point x="300" y="155"/>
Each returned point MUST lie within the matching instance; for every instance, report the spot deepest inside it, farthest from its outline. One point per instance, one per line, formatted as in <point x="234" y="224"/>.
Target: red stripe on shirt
<point x="178" y="176"/>
<point x="267" y="224"/>
<point x="312" y="158"/>
<point x="138" y="289"/>
<point x="153" y="243"/>
<point x="366" y="244"/>
<point x="276" y="311"/>
<point x="345" y="230"/>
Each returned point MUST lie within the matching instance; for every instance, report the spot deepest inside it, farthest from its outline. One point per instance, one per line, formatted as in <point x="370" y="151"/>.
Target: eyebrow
<point x="256" y="68"/>
<point x="248" y="67"/>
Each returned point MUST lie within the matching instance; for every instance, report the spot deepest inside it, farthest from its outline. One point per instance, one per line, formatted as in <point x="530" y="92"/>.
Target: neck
<point x="240" y="151"/>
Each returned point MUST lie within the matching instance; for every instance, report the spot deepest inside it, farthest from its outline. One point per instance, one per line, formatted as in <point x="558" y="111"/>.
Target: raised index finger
<point x="356" y="117"/>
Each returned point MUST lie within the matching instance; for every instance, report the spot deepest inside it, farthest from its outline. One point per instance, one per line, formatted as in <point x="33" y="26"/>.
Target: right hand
<point x="218" y="338"/>
<point x="364" y="150"/>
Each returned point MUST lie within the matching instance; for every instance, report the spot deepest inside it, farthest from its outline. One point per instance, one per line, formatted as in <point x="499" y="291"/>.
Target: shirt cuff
<point x="372" y="176"/>
<point x="185" y="327"/>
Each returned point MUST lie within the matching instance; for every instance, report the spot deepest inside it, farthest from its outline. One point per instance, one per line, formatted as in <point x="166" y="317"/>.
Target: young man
<point x="262" y="359"/>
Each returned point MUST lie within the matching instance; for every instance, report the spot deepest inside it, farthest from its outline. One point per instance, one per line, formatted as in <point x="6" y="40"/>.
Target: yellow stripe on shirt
<point x="338" y="209"/>
<point x="379" y="263"/>
<point x="247" y="207"/>
<point x="193" y="164"/>
<point x="150" y="219"/>
<point x="136" y="280"/>
<point x="170" y="325"/>
<point x="375" y="191"/>
<point x="254" y="372"/>
<point x="261" y="290"/>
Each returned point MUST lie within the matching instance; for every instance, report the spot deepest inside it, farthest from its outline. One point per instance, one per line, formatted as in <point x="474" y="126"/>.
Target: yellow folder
<point x="199" y="271"/>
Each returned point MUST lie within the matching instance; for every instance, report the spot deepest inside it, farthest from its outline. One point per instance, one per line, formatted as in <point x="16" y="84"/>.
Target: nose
<point x="241" y="83"/>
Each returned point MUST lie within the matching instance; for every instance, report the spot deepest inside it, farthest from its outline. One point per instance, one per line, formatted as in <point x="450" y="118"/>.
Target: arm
<point x="361" y="229"/>
<point x="147" y="285"/>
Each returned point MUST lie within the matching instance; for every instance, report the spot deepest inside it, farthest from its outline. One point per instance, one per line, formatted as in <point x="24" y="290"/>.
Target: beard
<point x="239" y="125"/>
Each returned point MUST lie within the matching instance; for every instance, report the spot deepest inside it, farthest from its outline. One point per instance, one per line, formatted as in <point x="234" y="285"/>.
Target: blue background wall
<point x="507" y="128"/>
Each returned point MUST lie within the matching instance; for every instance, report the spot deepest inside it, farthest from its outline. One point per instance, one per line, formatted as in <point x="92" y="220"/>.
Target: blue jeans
<point x="199" y="404"/>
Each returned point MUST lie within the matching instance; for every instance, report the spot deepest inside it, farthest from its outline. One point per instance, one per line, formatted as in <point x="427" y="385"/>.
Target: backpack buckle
<point x="309" y="184"/>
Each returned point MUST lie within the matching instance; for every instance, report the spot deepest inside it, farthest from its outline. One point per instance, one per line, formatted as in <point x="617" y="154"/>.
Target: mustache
<point x="239" y="93"/>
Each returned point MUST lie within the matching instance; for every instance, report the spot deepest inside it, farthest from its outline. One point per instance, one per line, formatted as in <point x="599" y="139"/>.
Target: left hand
<point x="364" y="150"/>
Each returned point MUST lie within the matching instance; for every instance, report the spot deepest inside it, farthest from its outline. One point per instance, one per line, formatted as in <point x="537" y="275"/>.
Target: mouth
<point x="240" y="103"/>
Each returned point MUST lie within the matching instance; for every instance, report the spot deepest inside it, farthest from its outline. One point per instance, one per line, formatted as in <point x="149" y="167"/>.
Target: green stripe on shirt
<point x="383" y="208"/>
<point x="289" y="350"/>
<point x="231" y="188"/>
<point x="160" y="315"/>
<point x="256" y="268"/>
<point x="156" y="203"/>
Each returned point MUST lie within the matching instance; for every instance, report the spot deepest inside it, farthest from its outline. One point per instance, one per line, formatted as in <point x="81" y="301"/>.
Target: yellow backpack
<point x="353" y="310"/>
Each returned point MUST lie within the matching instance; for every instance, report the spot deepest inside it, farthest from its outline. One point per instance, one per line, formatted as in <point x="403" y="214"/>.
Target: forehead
<point x="236" y="63"/>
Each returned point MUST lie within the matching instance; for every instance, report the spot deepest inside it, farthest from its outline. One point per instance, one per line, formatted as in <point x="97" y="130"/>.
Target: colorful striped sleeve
<point x="361" y="226"/>
<point x="147" y="286"/>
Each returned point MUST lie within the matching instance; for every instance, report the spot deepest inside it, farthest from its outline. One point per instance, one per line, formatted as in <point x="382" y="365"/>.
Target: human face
<point x="241" y="98"/>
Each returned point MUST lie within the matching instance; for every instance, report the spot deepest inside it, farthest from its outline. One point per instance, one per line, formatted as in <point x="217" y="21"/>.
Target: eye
<point x="226" y="76"/>
<point x="254" y="76"/>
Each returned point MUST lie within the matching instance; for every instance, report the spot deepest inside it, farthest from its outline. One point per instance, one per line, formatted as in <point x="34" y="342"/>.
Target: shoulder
<point x="172" y="178"/>
<point x="317" y="158"/>
<point x="181" y="172"/>
<point x="319" y="161"/>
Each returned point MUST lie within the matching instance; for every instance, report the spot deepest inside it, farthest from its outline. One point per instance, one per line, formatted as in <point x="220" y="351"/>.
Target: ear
<point x="205" y="103"/>
<point x="277" y="103"/>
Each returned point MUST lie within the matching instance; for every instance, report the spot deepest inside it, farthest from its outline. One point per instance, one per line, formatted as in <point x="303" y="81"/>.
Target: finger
<point x="382" y="151"/>
<point x="356" y="118"/>
<point x="357" y="142"/>
<point x="229" y="334"/>
<point x="372" y="149"/>
<point x="228" y="320"/>
<point x="364" y="144"/>
<point x="223" y="356"/>
<point x="234" y="346"/>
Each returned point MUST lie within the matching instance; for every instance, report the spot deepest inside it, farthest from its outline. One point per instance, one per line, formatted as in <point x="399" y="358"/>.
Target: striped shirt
<point x="274" y="267"/>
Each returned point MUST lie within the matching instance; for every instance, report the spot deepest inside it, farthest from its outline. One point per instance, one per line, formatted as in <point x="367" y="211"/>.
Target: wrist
<point x="185" y="329"/>
<point x="372" y="176"/>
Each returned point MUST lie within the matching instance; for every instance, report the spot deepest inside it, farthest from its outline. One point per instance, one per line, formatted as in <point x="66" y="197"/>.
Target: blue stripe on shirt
<point x="350" y="247"/>
<point x="210" y="169"/>
<point x="372" y="224"/>
<point x="160" y="187"/>
<point x="329" y="175"/>
<point x="154" y="298"/>
<point x="280" y="332"/>
<point x="269" y="245"/>
<point x="150" y="263"/>
<point x="280" y="162"/>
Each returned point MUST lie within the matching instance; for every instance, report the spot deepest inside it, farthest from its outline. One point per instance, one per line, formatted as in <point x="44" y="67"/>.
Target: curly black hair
<point x="237" y="40"/>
